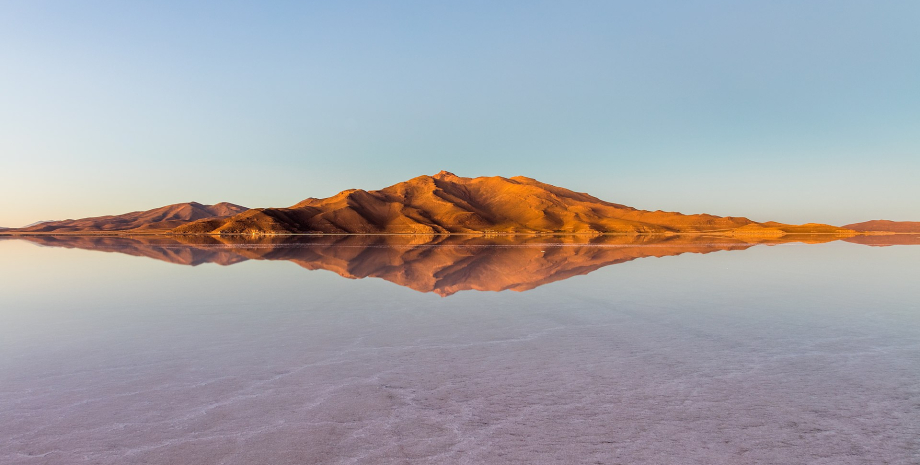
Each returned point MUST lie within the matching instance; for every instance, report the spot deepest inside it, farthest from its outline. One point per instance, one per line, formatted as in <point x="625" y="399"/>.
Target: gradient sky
<point x="776" y="110"/>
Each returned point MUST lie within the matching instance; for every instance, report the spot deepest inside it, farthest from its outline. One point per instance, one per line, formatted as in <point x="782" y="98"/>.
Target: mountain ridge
<point x="449" y="204"/>
<point x="160" y="219"/>
<point x="901" y="227"/>
<point x="438" y="204"/>
<point x="38" y="223"/>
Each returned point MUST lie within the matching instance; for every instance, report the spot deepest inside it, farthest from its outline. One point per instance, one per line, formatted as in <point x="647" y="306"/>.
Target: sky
<point x="793" y="111"/>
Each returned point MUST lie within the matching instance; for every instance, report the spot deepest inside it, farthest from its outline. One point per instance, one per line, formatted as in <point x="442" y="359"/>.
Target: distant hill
<point x="446" y="203"/>
<point x="38" y="223"/>
<point x="158" y="219"/>
<point x="886" y="226"/>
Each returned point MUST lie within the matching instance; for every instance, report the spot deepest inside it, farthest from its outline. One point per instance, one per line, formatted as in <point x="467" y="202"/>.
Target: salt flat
<point x="770" y="355"/>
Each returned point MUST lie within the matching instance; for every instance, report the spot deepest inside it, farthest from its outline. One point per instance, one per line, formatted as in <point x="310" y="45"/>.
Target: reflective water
<point x="653" y="351"/>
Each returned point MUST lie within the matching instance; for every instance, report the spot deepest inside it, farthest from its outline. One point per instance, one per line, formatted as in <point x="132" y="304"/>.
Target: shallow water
<point x="678" y="352"/>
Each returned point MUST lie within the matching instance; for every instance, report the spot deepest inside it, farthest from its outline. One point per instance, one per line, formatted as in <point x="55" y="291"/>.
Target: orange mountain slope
<point x="446" y="203"/>
<point x="886" y="226"/>
<point x="158" y="219"/>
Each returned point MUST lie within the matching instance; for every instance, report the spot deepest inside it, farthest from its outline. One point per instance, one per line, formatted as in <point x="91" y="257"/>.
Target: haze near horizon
<point x="787" y="111"/>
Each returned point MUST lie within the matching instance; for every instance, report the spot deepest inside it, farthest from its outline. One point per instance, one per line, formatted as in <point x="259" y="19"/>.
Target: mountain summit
<point x="447" y="203"/>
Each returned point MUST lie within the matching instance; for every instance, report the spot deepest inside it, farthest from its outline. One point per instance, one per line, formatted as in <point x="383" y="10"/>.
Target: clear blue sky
<point x="777" y="110"/>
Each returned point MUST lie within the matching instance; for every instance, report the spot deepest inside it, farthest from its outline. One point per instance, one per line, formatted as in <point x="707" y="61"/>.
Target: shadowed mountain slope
<point x="886" y="226"/>
<point x="158" y="219"/>
<point x="446" y="203"/>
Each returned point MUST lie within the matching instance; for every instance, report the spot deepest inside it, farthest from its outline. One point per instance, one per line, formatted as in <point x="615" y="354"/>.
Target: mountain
<point x="447" y="203"/>
<point x="38" y="223"/>
<point x="440" y="204"/>
<point x="443" y="264"/>
<point x="157" y="220"/>
<point x="886" y="226"/>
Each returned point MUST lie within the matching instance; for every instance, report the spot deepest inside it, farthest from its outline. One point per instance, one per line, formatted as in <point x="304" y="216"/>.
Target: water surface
<point x="408" y="350"/>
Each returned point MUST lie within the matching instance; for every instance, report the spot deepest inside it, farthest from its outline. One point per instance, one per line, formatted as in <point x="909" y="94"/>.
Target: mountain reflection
<point x="441" y="264"/>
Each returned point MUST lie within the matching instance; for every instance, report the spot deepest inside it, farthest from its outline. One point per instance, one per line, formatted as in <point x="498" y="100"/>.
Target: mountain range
<point x="440" y="204"/>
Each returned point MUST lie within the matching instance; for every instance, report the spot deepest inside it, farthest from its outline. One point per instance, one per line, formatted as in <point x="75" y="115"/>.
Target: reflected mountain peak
<point x="443" y="265"/>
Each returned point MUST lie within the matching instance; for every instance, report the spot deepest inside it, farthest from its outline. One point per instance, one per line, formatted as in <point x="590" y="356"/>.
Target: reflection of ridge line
<point x="439" y="265"/>
<point x="384" y="246"/>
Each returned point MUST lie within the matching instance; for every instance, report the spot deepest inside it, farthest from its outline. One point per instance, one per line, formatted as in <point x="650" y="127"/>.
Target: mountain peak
<point x="445" y="175"/>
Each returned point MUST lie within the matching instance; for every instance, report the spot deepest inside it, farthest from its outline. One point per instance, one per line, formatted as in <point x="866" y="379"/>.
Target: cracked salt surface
<point x="774" y="355"/>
